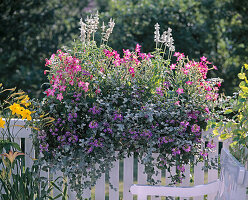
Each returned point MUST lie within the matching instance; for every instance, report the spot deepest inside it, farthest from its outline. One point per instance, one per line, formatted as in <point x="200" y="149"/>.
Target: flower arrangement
<point x="100" y="102"/>
<point x="233" y="120"/>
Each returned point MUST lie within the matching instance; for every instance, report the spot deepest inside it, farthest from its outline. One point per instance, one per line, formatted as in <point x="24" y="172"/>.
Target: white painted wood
<point x="198" y="177"/>
<point x="29" y="153"/>
<point x="142" y="177"/>
<point x="175" y="191"/>
<point x="57" y="178"/>
<point x="71" y="193"/>
<point x="157" y="176"/>
<point x="128" y="178"/>
<point x="114" y="180"/>
<point x="167" y="175"/>
<point x="213" y="173"/>
<point x="186" y="181"/>
<point x="100" y="188"/>
<point x="87" y="192"/>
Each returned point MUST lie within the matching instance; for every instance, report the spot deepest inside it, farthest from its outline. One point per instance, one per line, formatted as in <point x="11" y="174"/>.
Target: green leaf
<point x="241" y="76"/>
<point x="228" y="111"/>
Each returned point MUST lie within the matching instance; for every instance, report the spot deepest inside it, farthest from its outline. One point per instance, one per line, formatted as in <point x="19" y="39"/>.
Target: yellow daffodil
<point x="2" y="122"/>
<point x="12" y="156"/>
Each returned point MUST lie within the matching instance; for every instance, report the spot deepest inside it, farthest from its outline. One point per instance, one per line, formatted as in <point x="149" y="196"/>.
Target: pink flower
<point x="98" y="91"/>
<point x="180" y="57"/>
<point x="187" y="66"/>
<point x="189" y="82"/>
<point x="131" y="70"/>
<point x="219" y="84"/>
<point x="176" y="54"/>
<point x="137" y="49"/>
<point x="173" y="66"/>
<point x="62" y="88"/>
<point x="50" y="92"/>
<point x="206" y="109"/>
<point x="80" y="84"/>
<point x="77" y="68"/>
<point x="215" y="67"/>
<point x="208" y="88"/>
<point x="180" y="91"/>
<point x="60" y="96"/>
<point x="177" y="103"/>
<point x="203" y="58"/>
<point x="71" y="82"/>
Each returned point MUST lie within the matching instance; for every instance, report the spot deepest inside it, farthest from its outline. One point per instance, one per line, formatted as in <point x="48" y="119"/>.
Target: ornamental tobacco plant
<point x="101" y="106"/>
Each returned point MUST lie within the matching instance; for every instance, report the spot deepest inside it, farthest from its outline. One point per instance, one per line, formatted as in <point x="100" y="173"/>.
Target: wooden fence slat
<point x="114" y="180"/>
<point x="57" y="180"/>
<point x="198" y="177"/>
<point x="128" y="177"/>
<point x="142" y="177"/>
<point x="87" y="192"/>
<point x="29" y="152"/>
<point x="213" y="173"/>
<point x="186" y="181"/>
<point x="71" y="194"/>
<point x="156" y="177"/>
<point x="167" y="175"/>
<point x="100" y="188"/>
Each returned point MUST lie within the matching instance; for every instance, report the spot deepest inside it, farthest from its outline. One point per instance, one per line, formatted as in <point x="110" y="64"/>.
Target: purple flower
<point x="61" y="138"/>
<point x="93" y="124"/>
<point x="195" y="128"/>
<point x="159" y="91"/>
<point x="73" y="139"/>
<point x="211" y="145"/>
<point x="186" y="148"/>
<point x="176" y="151"/>
<point x="118" y="116"/>
<point x="181" y="168"/>
<point x="203" y="154"/>
<point x="42" y="135"/>
<point x="94" y="110"/>
<point x="184" y="124"/>
<point x="146" y="133"/>
<point x="44" y="147"/>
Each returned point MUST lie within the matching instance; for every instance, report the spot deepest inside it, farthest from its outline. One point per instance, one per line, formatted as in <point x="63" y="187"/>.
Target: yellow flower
<point x="246" y="66"/>
<point x="26" y="114"/>
<point x="2" y="122"/>
<point x="16" y="109"/>
<point x="25" y="101"/>
<point x="12" y="156"/>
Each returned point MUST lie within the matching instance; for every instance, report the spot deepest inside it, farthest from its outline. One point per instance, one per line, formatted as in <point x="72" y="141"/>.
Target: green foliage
<point x="29" y="32"/>
<point x="18" y="182"/>
<point x="216" y="29"/>
<point x="236" y="126"/>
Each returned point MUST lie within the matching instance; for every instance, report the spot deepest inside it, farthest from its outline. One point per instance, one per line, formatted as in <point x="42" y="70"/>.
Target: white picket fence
<point x="124" y="173"/>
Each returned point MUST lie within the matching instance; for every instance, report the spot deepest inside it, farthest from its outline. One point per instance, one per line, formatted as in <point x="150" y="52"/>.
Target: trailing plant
<point x="99" y="102"/>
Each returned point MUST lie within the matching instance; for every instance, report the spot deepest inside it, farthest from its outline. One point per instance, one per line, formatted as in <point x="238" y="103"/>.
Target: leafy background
<point x="31" y="31"/>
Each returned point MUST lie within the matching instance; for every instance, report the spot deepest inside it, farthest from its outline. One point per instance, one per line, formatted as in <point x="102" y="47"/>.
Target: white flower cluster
<point x="165" y="39"/>
<point x="109" y="30"/>
<point x="90" y="26"/>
